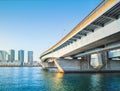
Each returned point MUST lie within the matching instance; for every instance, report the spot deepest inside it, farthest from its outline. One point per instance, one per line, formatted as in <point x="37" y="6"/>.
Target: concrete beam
<point x="78" y="37"/>
<point x="72" y="39"/>
<point x="83" y="34"/>
<point x="97" y="25"/>
<point x="109" y="17"/>
<point x="108" y="47"/>
<point x="88" y="30"/>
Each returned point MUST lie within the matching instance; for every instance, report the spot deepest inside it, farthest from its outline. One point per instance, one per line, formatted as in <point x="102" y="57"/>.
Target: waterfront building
<point x="21" y="56"/>
<point x="30" y="56"/>
<point x="3" y="55"/>
<point x="9" y="63"/>
<point x="11" y="56"/>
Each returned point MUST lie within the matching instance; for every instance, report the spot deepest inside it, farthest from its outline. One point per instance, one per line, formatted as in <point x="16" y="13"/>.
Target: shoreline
<point x="20" y="66"/>
<point x="103" y="71"/>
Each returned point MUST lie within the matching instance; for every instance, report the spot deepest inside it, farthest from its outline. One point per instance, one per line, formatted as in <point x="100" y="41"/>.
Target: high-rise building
<point x="11" y="55"/>
<point x="30" y="56"/>
<point x="3" y="55"/>
<point x="21" y="56"/>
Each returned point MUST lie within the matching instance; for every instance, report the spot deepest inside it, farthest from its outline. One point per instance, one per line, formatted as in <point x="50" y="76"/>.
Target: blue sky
<point x="39" y="24"/>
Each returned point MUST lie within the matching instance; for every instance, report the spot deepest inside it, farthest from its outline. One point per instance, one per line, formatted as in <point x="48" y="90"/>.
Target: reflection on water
<point x="59" y="75"/>
<point x="95" y="81"/>
<point x="34" y="79"/>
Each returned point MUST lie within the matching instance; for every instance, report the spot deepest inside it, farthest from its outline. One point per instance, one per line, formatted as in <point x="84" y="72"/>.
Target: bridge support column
<point x="105" y="60"/>
<point x="58" y="66"/>
<point x="82" y="63"/>
<point x="100" y="61"/>
<point x="109" y="65"/>
<point x="96" y="60"/>
<point x="43" y="66"/>
<point x="88" y="60"/>
<point x="85" y="62"/>
<point x="52" y="63"/>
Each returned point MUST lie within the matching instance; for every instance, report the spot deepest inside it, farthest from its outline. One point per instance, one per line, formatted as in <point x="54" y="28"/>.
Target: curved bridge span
<point x="87" y="46"/>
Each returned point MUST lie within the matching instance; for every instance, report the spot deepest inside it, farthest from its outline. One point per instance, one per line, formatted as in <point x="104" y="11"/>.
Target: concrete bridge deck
<point x="92" y="39"/>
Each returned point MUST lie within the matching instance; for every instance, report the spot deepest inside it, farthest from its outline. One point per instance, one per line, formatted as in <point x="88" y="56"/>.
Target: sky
<point x="37" y="25"/>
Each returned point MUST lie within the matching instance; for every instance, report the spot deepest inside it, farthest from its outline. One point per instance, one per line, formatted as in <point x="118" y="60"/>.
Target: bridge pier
<point x="51" y="64"/>
<point x="104" y="63"/>
<point x="88" y="59"/>
<point x="102" y="60"/>
<point x="85" y="62"/>
<point x="105" y="60"/>
<point x="96" y="60"/>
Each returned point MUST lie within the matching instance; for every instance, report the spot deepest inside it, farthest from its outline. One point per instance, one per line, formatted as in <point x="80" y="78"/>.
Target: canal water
<point x="34" y="79"/>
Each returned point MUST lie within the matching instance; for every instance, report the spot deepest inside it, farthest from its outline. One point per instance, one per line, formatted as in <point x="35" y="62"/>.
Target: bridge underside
<point x="98" y="46"/>
<point x="83" y="65"/>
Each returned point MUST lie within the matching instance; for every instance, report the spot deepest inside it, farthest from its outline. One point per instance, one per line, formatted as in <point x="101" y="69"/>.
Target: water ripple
<point x="34" y="79"/>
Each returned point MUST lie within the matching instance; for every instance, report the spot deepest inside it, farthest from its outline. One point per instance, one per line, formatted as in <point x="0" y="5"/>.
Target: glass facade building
<point x="11" y="56"/>
<point x="30" y="56"/>
<point x="21" y="57"/>
<point x="3" y="55"/>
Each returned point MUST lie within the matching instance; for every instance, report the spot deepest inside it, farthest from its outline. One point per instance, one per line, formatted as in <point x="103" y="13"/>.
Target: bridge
<point x="87" y="47"/>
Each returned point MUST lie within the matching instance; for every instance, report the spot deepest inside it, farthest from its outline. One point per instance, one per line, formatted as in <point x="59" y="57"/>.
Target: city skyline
<point x="13" y="55"/>
<point x="38" y="25"/>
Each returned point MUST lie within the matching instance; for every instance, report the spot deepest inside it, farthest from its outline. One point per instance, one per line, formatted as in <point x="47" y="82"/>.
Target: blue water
<point x="34" y="79"/>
